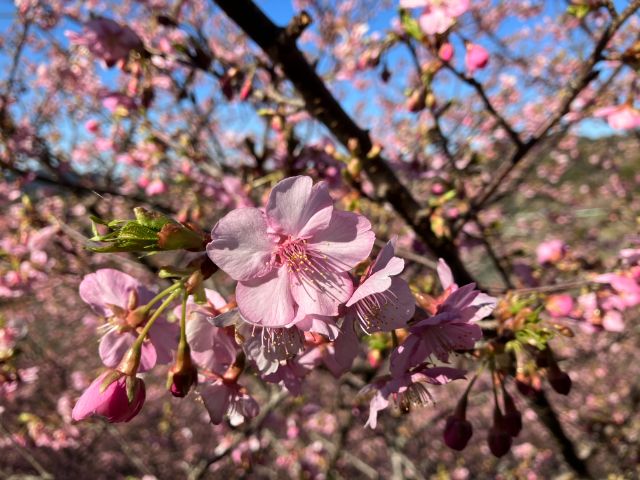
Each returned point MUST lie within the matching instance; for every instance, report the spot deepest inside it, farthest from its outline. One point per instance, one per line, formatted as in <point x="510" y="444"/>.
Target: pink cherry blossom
<point x="293" y="258"/>
<point x="620" y="117"/>
<point x="114" y="295"/>
<point x="407" y="390"/>
<point x="212" y="348"/>
<point x="626" y="287"/>
<point x="560" y="305"/>
<point x="107" y="40"/>
<point x="112" y="402"/>
<point x="382" y="301"/>
<point x="451" y="327"/>
<point x="438" y="15"/>
<point x="476" y="58"/>
<point x="156" y="187"/>
<point x="551" y="251"/>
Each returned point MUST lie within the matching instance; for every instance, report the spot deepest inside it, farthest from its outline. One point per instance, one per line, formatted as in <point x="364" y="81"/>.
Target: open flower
<point x="116" y="296"/>
<point x="438" y="15"/>
<point x="212" y="348"/>
<point x="382" y="302"/>
<point x="112" y="401"/>
<point x="293" y="258"/>
<point x="408" y="390"/>
<point x="620" y="117"/>
<point x="450" y="327"/>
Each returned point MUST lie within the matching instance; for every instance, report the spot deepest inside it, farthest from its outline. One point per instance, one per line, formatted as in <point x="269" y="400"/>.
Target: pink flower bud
<point x="499" y="439"/>
<point x="559" y="305"/>
<point x="550" y="251"/>
<point x="156" y="187"/>
<point x="111" y="401"/>
<point x="446" y="52"/>
<point x="477" y="57"/>
<point x="512" y="419"/>
<point x="92" y="125"/>
<point x="457" y="432"/>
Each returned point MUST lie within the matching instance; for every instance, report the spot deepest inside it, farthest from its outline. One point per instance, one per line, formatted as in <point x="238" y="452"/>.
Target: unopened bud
<point x="512" y="419"/>
<point x="175" y="236"/>
<point x="560" y="381"/>
<point x="183" y="375"/>
<point x="416" y="101"/>
<point x="499" y="439"/>
<point x="457" y="432"/>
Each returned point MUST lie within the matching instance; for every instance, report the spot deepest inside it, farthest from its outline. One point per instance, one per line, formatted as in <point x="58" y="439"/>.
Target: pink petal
<point x="164" y="337"/>
<point x="435" y="21"/>
<point x="216" y="400"/>
<point x="395" y="314"/>
<point x="319" y="324"/>
<point x="107" y="286"/>
<point x="321" y="294"/>
<point x="445" y="275"/>
<point x="613" y="321"/>
<point x="345" y="242"/>
<point x="240" y="244"/>
<point x="113" y="346"/>
<point x="413" y="3"/>
<point x="378" y="282"/>
<point x="267" y="301"/>
<point x="214" y="298"/>
<point x="455" y="8"/>
<point x="298" y="208"/>
<point x="412" y="352"/>
<point x="91" y="399"/>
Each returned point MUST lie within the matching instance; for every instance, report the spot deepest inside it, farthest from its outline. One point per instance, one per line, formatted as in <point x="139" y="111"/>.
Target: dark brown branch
<point x="282" y="50"/>
<point x="547" y="415"/>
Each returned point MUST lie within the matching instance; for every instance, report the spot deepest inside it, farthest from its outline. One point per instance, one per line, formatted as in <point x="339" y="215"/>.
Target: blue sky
<point x="281" y="11"/>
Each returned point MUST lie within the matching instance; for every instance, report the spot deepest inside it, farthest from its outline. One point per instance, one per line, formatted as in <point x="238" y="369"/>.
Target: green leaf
<point x="578" y="11"/>
<point x="151" y="219"/>
<point x="410" y="25"/>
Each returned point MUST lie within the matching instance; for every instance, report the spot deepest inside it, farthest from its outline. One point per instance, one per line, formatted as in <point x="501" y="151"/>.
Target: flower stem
<point x="163" y="294"/>
<point x="183" y="318"/>
<point x="156" y="314"/>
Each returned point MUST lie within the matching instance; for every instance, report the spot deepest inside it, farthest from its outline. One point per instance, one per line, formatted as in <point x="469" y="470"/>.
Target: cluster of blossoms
<point x="297" y="306"/>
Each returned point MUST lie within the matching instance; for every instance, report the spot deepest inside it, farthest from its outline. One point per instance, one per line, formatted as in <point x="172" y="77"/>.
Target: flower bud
<point x="175" y="236"/>
<point x="417" y="100"/>
<point x="499" y="439"/>
<point x="119" y="400"/>
<point x="512" y="419"/>
<point x="457" y="432"/>
<point x="183" y="375"/>
<point x="560" y="381"/>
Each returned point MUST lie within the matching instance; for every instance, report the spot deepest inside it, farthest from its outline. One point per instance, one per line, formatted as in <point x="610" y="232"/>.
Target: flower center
<point x="293" y="253"/>
<point x="369" y="308"/>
